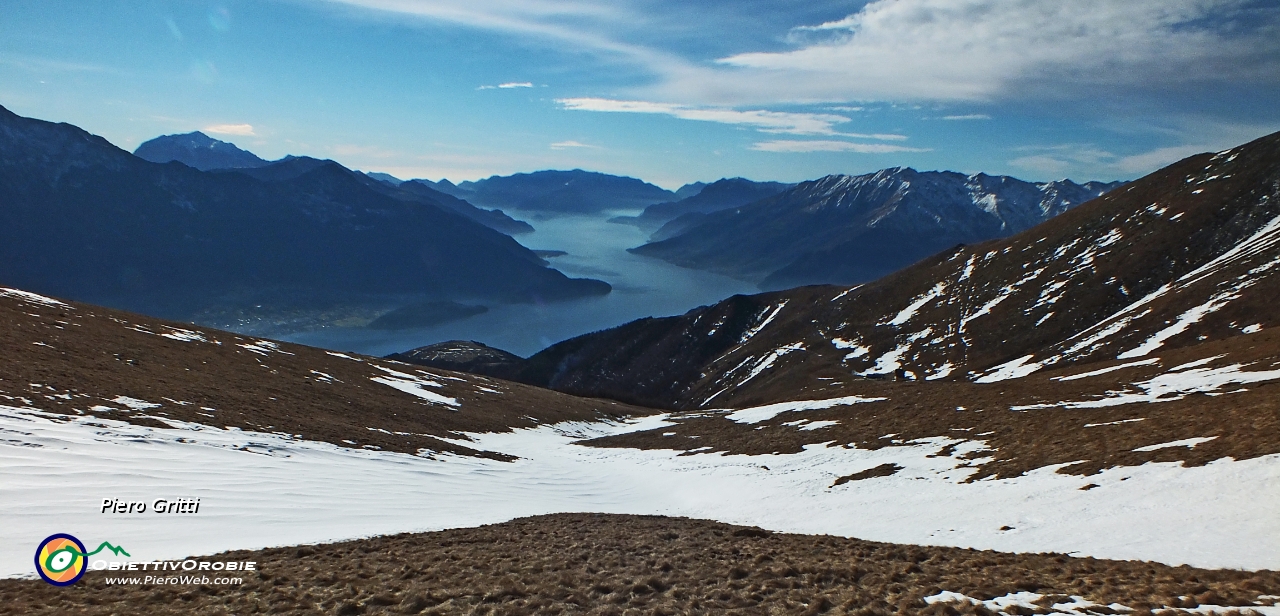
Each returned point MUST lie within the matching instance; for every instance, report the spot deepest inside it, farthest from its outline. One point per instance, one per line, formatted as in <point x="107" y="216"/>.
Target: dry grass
<point x="622" y="565"/>
<point x="1246" y="421"/>
<point x="82" y="356"/>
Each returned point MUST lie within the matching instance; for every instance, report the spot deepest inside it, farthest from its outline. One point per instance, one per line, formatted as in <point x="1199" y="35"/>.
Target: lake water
<point x="642" y="287"/>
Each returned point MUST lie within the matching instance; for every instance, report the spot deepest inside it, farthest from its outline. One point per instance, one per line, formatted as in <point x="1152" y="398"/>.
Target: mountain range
<point x="1185" y="256"/>
<point x="849" y="229"/>
<point x="558" y="192"/>
<point x="84" y="219"/>
<point x="202" y="152"/>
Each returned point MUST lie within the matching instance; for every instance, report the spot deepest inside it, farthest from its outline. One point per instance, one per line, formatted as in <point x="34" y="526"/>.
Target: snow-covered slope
<point x="259" y="489"/>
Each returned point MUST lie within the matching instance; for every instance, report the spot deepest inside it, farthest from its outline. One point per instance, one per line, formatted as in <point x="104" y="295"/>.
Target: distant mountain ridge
<point x="199" y="151"/>
<point x="690" y="189"/>
<point x="670" y="218"/>
<point x="86" y="220"/>
<point x="202" y="152"/>
<point x="847" y="229"/>
<point x="558" y="192"/>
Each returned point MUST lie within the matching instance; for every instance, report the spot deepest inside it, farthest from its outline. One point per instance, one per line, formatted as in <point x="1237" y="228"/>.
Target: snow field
<point x="262" y="490"/>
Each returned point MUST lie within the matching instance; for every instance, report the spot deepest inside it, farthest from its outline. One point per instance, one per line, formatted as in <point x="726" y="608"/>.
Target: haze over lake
<point x="642" y="287"/>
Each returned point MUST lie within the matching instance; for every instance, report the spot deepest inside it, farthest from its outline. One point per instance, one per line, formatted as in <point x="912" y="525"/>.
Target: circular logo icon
<point x="60" y="559"/>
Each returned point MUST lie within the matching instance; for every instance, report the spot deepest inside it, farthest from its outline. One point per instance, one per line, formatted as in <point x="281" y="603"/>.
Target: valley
<point x="1072" y="413"/>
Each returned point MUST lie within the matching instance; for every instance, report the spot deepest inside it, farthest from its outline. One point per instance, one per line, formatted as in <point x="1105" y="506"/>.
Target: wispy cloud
<point x="38" y="64"/>
<point x="580" y="24"/>
<point x="1159" y="157"/>
<point x="759" y="119"/>
<point x="1087" y="158"/>
<point x="561" y="145"/>
<point x="507" y="86"/>
<point x="907" y="50"/>
<point x="971" y="116"/>
<point x="244" y="130"/>
<point x="832" y="146"/>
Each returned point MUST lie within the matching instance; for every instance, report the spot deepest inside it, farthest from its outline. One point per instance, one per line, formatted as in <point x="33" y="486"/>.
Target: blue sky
<point x="668" y="91"/>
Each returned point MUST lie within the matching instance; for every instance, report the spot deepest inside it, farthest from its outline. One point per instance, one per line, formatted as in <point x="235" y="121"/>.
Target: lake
<point x="642" y="287"/>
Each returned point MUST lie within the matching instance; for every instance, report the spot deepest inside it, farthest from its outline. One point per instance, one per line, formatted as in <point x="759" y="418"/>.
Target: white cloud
<point x="508" y="85"/>
<point x="1088" y="159"/>
<point x="560" y="145"/>
<point x="244" y="130"/>
<point x="980" y="50"/>
<point x="760" y="119"/>
<point x="971" y="116"/>
<point x="1157" y="158"/>
<point x="1044" y="163"/>
<point x="832" y="146"/>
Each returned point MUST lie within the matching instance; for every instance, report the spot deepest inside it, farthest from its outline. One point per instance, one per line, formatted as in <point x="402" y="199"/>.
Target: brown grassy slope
<point x="609" y="564"/>
<point x="69" y="358"/>
<point x="1244" y="418"/>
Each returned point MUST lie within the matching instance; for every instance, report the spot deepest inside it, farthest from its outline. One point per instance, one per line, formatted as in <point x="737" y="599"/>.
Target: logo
<point x="61" y="559"/>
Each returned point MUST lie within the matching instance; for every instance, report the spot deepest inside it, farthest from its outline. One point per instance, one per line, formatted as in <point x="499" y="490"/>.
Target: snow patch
<point x="747" y="335"/>
<point x="1189" y="443"/>
<point x="263" y="347"/>
<point x="1015" y="369"/>
<point x="413" y="385"/>
<point x="757" y="414"/>
<point x="1171" y="386"/>
<point x="1085" y="375"/>
<point x="1026" y="600"/>
<point x="134" y="403"/>
<point x="1114" y="423"/>
<point x="30" y="297"/>
<point x="183" y="335"/>
<point x="905" y="314"/>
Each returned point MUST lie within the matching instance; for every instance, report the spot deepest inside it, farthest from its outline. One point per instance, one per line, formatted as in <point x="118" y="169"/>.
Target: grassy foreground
<point x="621" y="564"/>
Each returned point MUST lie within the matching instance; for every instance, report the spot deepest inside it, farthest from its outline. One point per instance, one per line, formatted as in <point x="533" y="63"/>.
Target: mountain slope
<point x="291" y="445"/>
<point x="676" y="216"/>
<point x="291" y="167"/>
<point x="82" y="362"/>
<point x="562" y="192"/>
<point x="199" y="151"/>
<point x="84" y="219"/>
<point x="690" y="189"/>
<point x="494" y="218"/>
<point x="1186" y="255"/>
<point x="851" y="229"/>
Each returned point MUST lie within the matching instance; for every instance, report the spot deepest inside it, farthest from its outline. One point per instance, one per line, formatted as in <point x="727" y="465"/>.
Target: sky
<point x="665" y="90"/>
